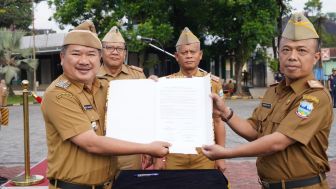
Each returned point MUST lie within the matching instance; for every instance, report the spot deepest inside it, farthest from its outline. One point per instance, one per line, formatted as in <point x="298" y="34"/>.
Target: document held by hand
<point x="175" y="110"/>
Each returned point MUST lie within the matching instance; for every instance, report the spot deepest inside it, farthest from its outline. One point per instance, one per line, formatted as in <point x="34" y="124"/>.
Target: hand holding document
<point x="177" y="110"/>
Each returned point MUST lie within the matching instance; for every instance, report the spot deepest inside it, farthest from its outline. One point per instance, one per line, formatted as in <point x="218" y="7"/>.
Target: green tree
<point x="146" y="18"/>
<point x="247" y="23"/>
<point x="313" y="8"/>
<point x="12" y="58"/>
<point x="331" y="16"/>
<point x="16" y="14"/>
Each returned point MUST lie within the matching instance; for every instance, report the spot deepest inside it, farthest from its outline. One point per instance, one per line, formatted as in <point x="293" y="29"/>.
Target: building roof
<point x="45" y="43"/>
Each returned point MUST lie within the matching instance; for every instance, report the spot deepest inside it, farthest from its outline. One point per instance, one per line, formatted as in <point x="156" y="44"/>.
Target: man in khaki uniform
<point x="188" y="55"/>
<point x="113" y="68"/>
<point x="289" y="130"/>
<point x="73" y="107"/>
<point x="114" y="54"/>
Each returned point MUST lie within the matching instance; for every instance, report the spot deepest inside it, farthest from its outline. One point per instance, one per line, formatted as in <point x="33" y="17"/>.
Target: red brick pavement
<point x="241" y="174"/>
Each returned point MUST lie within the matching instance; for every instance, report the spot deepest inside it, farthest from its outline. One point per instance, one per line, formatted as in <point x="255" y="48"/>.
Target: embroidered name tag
<point x="88" y="107"/>
<point x="266" y="105"/>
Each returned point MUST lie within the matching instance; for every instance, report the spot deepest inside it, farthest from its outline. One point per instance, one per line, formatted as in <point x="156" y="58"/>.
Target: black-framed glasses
<point x="112" y="49"/>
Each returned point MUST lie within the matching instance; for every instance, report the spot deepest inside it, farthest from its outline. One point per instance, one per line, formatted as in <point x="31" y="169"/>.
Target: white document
<point x="175" y="110"/>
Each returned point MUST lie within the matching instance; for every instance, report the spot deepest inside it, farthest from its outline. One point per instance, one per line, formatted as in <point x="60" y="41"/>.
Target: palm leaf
<point x="28" y="63"/>
<point x="10" y="72"/>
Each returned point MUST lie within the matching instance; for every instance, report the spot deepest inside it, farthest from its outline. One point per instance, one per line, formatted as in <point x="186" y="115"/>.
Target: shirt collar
<point x="297" y="86"/>
<point x="197" y="74"/>
<point x="103" y="72"/>
<point x="78" y="87"/>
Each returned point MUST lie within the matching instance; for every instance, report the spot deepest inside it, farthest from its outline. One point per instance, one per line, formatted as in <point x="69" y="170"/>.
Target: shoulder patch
<point x="315" y="84"/>
<point x="215" y="78"/>
<point x="221" y="93"/>
<point x="59" y="96"/>
<point x="305" y="108"/>
<point x="63" y="84"/>
<point x="136" y="68"/>
<point x="311" y="98"/>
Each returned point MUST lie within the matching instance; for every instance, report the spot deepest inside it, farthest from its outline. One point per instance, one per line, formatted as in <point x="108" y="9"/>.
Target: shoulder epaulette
<point x="215" y="78"/>
<point x="136" y="68"/>
<point x="315" y="84"/>
<point x="274" y="84"/>
<point x="63" y="84"/>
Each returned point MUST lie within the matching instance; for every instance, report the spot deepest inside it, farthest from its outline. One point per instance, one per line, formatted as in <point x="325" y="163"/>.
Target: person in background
<point x="188" y="55"/>
<point x="230" y="87"/>
<point x="289" y="130"/>
<point x="113" y="68"/>
<point x="73" y="107"/>
<point x="332" y="86"/>
<point x="114" y="56"/>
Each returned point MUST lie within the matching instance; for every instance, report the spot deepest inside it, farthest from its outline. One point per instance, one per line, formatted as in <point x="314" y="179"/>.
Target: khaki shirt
<point x="127" y="72"/>
<point x="303" y="112"/>
<point x="199" y="161"/>
<point x="129" y="162"/>
<point x="216" y="86"/>
<point x="70" y="109"/>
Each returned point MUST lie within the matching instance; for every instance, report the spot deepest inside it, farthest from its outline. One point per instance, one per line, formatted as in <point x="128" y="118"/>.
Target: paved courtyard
<point x="241" y="172"/>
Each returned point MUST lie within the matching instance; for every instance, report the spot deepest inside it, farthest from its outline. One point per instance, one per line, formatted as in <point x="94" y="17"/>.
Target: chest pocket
<point x="91" y="114"/>
<point x="264" y="111"/>
<point x="263" y="114"/>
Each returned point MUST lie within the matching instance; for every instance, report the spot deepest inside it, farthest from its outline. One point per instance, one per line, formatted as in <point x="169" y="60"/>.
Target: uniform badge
<point x="221" y="93"/>
<point x="63" y="84"/>
<point x="266" y="105"/>
<point x="88" y="107"/>
<point x="305" y="108"/>
<point x="94" y="125"/>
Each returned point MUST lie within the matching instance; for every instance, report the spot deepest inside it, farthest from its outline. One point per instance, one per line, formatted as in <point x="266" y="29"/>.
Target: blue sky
<point x="43" y="12"/>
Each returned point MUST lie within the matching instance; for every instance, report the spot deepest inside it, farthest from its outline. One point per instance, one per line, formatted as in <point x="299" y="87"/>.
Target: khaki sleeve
<point x="142" y="75"/>
<point x="303" y="129"/>
<point x="253" y="119"/>
<point x="65" y="113"/>
<point x="217" y="88"/>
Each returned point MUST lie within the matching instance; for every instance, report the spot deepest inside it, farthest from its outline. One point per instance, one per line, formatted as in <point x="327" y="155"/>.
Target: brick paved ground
<point x="241" y="174"/>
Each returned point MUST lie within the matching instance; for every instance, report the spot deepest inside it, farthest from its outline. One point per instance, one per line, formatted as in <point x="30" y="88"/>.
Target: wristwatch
<point x="226" y="119"/>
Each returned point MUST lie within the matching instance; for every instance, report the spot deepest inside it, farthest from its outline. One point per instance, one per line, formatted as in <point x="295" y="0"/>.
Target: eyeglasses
<point x="111" y="49"/>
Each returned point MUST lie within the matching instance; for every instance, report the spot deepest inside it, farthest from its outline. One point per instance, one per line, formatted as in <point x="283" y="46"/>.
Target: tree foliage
<point x="238" y="25"/>
<point x="12" y="58"/>
<point x="313" y="9"/>
<point x="246" y="23"/>
<point x="15" y="14"/>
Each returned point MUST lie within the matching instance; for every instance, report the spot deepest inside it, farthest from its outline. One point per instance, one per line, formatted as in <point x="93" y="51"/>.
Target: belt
<point x="294" y="183"/>
<point x="68" y="185"/>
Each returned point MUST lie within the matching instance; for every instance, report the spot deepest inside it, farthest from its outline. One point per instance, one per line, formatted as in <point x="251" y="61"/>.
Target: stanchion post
<point x="26" y="179"/>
